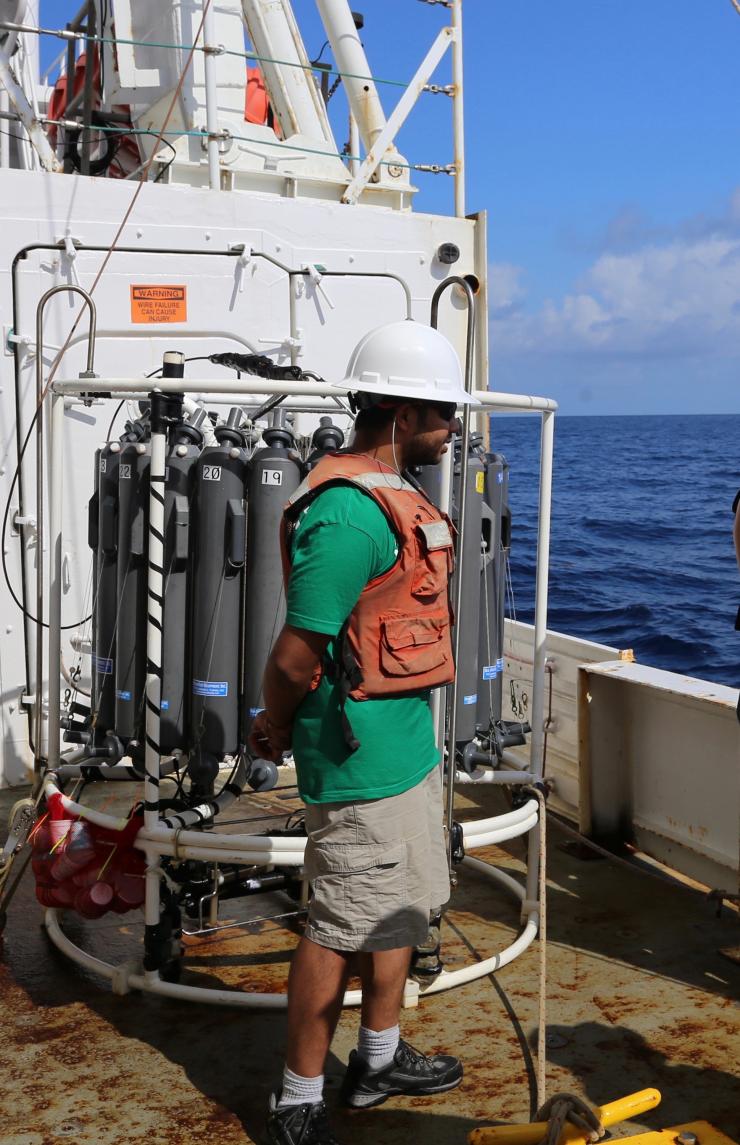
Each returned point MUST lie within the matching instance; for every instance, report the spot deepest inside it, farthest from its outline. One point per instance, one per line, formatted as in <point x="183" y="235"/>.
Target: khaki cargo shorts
<point x="376" y="869"/>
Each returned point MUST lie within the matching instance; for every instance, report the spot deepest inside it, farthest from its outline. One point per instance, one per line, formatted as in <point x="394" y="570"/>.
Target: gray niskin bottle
<point x="469" y="619"/>
<point x="275" y="472"/>
<point x="217" y="588"/>
<point x="105" y="601"/>
<point x="496" y="540"/>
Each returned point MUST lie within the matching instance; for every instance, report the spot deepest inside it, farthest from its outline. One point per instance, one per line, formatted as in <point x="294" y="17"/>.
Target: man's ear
<point x="407" y="417"/>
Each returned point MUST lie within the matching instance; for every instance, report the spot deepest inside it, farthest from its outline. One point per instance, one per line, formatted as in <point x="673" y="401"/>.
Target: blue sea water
<point x="641" y="550"/>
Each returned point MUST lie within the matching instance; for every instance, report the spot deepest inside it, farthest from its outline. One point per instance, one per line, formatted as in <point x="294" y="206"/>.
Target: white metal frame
<point x="157" y="840"/>
<point x="299" y="108"/>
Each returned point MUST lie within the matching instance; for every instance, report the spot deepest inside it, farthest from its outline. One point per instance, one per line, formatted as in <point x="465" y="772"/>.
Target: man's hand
<point x="267" y="740"/>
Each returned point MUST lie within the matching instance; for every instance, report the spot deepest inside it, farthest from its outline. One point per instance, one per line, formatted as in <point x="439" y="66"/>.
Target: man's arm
<point x="294" y="659"/>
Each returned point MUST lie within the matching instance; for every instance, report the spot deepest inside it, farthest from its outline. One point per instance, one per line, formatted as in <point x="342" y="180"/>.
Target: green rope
<point x="82" y="36"/>
<point x="123" y="130"/>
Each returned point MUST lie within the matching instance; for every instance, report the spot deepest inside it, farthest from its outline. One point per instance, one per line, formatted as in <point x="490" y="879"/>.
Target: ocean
<point x="641" y="550"/>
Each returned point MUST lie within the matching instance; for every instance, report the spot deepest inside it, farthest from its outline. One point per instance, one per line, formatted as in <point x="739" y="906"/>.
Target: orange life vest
<point x="397" y="639"/>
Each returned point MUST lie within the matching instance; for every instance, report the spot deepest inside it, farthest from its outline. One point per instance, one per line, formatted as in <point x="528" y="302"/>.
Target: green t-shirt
<point x="341" y="541"/>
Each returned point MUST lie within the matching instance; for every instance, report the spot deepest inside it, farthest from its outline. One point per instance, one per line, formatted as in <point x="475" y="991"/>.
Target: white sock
<point x="299" y="1090"/>
<point x="378" y="1047"/>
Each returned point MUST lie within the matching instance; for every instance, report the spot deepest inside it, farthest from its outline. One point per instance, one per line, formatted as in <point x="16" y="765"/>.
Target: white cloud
<point x="506" y="290"/>
<point x="670" y="298"/>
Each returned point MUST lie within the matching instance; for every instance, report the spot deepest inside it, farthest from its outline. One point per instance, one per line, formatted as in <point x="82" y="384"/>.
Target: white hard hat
<point x="407" y="360"/>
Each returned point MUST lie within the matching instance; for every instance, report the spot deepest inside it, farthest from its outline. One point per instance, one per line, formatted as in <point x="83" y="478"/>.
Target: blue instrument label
<point x="210" y="687"/>
<point x="470" y="699"/>
<point x="103" y="665"/>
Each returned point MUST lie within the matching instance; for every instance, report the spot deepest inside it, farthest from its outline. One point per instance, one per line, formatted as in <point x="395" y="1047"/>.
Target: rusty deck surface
<point x="640" y="994"/>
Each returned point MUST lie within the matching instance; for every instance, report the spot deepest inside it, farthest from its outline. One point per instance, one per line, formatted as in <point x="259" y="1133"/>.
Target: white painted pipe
<point x="4" y="136"/>
<point x="493" y="777"/>
<point x="125" y="978"/>
<point x="489" y="838"/>
<point x="236" y="854"/>
<point x="294" y="97"/>
<point x="163" y="836"/>
<point x="55" y="574"/>
<point x="497" y="874"/>
<point x="248" y="384"/>
<point x="89" y="813"/>
<point x="352" y="62"/>
<point x="32" y="43"/>
<point x="354" y="146"/>
<point x="211" y="86"/>
<point x="155" y="615"/>
<point x="537" y="742"/>
<point x="450" y="978"/>
<point x="458" y="115"/>
<point x="508" y="819"/>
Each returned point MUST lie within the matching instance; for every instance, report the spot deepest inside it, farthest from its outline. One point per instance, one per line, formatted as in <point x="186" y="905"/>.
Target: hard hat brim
<point x="410" y="393"/>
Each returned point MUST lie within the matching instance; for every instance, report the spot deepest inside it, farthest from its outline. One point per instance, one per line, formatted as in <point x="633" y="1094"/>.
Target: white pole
<point x="56" y="431"/>
<point x="354" y="145"/>
<point x="540" y="605"/>
<point x="537" y="741"/>
<point x="352" y="61"/>
<point x="153" y="694"/>
<point x="32" y="45"/>
<point x="4" y="137"/>
<point x="458" y="119"/>
<point x="209" y="63"/>
<point x="155" y="611"/>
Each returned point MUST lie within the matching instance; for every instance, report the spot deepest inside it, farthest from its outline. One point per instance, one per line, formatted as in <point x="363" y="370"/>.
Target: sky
<point x="602" y="138"/>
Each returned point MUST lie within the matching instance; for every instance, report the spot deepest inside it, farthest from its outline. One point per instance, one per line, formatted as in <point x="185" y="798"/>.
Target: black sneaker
<point x="298" y="1124"/>
<point x="410" y="1072"/>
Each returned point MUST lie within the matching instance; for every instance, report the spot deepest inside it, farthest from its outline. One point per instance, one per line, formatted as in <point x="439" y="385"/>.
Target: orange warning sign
<point x="159" y="304"/>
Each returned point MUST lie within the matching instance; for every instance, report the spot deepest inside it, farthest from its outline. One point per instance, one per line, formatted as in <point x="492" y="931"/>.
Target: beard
<point x="426" y="450"/>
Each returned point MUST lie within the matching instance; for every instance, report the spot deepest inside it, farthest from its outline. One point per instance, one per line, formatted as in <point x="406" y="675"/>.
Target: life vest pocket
<point x="412" y="645"/>
<point x="434" y="559"/>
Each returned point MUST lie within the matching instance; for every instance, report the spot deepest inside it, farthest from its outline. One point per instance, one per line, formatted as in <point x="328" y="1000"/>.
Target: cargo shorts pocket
<point x="357" y="888"/>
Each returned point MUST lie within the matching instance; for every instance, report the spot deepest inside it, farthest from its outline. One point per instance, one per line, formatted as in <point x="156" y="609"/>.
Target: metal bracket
<point x="399" y="115"/>
<point x="23" y="522"/>
<point x="436" y="168"/>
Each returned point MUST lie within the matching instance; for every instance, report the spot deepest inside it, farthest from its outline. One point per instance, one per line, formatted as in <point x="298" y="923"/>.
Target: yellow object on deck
<point x="621" y="1110"/>
<point x="702" y="1131"/>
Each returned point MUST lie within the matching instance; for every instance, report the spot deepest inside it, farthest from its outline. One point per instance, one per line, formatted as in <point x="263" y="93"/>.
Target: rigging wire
<point x="281" y="143"/>
<point x="64" y="34"/>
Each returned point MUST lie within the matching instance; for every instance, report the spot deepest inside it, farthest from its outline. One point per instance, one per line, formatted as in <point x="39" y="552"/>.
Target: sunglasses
<point x="446" y="410"/>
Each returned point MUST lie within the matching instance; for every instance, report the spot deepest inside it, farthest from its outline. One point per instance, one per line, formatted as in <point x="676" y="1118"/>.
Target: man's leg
<point x="383" y="975"/>
<point x="316" y="985"/>
<point x="318" y="976"/>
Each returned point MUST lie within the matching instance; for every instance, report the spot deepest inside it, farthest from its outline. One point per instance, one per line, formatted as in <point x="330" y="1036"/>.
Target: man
<point x="367" y="635"/>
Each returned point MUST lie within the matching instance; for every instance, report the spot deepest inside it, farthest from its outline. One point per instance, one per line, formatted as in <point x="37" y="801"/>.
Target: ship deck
<point x="642" y="991"/>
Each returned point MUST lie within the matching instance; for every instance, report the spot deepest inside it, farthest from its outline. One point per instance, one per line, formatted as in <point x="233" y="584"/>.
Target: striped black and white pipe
<point x="155" y="610"/>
